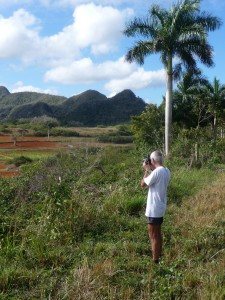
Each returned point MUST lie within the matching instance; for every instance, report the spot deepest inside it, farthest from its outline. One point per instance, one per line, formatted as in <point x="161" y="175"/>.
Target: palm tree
<point x="214" y="95"/>
<point x="186" y="96"/>
<point x="181" y="33"/>
<point x="190" y="85"/>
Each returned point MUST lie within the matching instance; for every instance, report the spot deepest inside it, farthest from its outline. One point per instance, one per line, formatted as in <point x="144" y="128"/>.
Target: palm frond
<point x="182" y="9"/>
<point x="208" y="22"/>
<point x="158" y="14"/>
<point x="139" y="52"/>
<point x="193" y="31"/>
<point x="187" y="59"/>
<point x="140" y="27"/>
<point x="177" y="72"/>
<point x="205" y="54"/>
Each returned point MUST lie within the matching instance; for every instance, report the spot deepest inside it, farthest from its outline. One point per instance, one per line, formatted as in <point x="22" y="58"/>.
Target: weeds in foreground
<point x="84" y="236"/>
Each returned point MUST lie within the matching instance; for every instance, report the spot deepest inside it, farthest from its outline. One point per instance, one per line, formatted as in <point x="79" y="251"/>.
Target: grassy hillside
<point x="22" y="98"/>
<point x="89" y="108"/>
<point x="92" y="108"/>
<point x="30" y="111"/>
<point x="73" y="227"/>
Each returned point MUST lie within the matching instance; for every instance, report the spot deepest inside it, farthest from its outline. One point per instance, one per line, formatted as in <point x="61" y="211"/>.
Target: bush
<point x="20" y="160"/>
<point x="117" y="139"/>
<point x="124" y="130"/>
<point x="63" y="132"/>
<point x="135" y="206"/>
<point x="183" y="151"/>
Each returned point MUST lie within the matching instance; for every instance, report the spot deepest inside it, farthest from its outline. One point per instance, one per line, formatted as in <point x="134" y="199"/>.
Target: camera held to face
<point x="147" y="160"/>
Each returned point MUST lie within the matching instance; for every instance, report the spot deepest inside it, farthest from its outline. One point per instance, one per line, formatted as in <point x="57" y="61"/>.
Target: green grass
<point x="85" y="236"/>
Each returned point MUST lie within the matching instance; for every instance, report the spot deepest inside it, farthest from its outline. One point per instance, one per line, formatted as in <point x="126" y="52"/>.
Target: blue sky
<point x="65" y="47"/>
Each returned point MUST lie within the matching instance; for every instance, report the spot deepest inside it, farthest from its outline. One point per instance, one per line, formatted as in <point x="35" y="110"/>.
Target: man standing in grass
<point x="157" y="181"/>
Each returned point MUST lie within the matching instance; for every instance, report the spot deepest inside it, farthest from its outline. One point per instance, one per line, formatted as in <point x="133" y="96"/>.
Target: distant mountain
<point x="3" y="91"/>
<point x="89" y="108"/>
<point x="21" y="98"/>
<point x="30" y="111"/>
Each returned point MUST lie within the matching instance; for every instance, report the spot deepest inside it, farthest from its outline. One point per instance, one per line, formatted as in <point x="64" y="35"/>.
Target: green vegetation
<point x="122" y="135"/>
<point x="73" y="227"/>
<point x="198" y="119"/>
<point x="20" y="160"/>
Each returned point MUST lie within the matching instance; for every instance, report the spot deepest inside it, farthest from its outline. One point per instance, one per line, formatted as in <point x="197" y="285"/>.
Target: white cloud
<point x="20" y="87"/>
<point x="19" y="35"/>
<point x="119" y="74"/>
<point x="138" y="79"/>
<point x="99" y="27"/>
<point x="94" y="28"/>
<point x="84" y="71"/>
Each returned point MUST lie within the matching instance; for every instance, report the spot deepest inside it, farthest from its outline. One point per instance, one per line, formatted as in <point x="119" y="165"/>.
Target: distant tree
<point x="180" y="32"/>
<point x="214" y="95"/>
<point x="14" y="137"/>
<point x="148" y="127"/>
<point x="188" y="105"/>
<point x="47" y="122"/>
<point x="22" y="131"/>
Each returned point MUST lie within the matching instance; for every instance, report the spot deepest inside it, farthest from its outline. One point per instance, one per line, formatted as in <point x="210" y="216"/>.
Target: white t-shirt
<point x="156" y="202"/>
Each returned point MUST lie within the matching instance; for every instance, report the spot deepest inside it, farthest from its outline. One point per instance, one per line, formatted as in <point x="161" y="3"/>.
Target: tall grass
<point x="73" y="227"/>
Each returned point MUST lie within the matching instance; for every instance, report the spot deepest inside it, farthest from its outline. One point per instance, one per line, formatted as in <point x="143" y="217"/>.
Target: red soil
<point x="26" y="142"/>
<point x="9" y="173"/>
<point x="5" y="138"/>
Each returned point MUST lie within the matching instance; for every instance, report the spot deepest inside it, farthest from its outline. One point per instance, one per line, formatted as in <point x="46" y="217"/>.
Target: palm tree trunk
<point x="215" y="128"/>
<point x="168" y="108"/>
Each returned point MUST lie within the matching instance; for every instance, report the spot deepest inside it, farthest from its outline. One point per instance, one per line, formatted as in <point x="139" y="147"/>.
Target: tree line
<point x="198" y="121"/>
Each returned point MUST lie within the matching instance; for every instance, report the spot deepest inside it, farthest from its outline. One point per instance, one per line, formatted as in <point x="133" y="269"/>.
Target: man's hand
<point x="146" y="166"/>
<point x="147" y="169"/>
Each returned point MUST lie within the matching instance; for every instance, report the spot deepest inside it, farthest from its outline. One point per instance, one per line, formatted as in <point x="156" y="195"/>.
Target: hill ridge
<point x="89" y="108"/>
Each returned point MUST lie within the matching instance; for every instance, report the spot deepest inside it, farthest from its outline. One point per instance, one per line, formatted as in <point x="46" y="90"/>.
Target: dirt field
<point x="9" y="173"/>
<point x="31" y="145"/>
<point x="28" y="143"/>
<point x="41" y="146"/>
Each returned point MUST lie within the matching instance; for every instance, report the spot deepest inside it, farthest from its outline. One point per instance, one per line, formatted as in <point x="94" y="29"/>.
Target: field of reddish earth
<point x="23" y="143"/>
<point x="9" y="173"/>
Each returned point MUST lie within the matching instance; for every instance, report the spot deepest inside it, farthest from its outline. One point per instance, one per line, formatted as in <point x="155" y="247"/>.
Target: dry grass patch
<point x="94" y="131"/>
<point x="206" y="207"/>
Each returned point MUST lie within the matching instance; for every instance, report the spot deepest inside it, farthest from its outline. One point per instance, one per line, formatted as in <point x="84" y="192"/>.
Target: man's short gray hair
<point x="157" y="156"/>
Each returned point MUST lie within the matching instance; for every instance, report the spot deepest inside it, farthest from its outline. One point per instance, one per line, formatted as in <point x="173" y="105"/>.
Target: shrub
<point x="134" y="206"/>
<point x="63" y="132"/>
<point x="124" y="130"/>
<point x="20" y="160"/>
<point x="117" y="139"/>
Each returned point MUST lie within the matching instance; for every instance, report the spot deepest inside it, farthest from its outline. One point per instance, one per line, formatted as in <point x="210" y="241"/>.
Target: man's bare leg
<point x="155" y="236"/>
